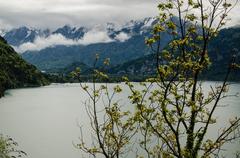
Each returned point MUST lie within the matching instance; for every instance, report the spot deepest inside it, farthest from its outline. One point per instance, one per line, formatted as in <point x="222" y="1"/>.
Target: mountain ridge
<point x="72" y="32"/>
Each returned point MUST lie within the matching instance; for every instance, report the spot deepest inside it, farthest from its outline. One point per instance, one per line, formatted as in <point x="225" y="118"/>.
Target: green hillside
<point x="15" y="72"/>
<point x="221" y="49"/>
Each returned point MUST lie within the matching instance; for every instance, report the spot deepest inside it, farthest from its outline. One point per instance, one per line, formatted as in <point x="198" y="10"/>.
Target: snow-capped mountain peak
<point x="71" y="32"/>
<point x="23" y="34"/>
<point x="109" y="32"/>
<point x="2" y="32"/>
<point x="149" y="22"/>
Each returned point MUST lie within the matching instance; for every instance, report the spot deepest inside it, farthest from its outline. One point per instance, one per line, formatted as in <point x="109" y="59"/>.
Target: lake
<point x="45" y="121"/>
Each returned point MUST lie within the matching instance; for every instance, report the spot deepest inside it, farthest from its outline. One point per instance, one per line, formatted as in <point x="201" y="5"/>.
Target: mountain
<point x="18" y="36"/>
<point x="127" y="43"/>
<point x="120" y="43"/>
<point x="2" y="32"/>
<point x="15" y="72"/>
<point x="71" y="33"/>
<point x="221" y="50"/>
<point x="61" y="56"/>
<point x="21" y="35"/>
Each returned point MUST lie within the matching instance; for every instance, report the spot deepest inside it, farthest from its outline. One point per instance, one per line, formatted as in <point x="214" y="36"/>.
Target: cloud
<point x="91" y="37"/>
<point x="122" y="37"/>
<point x="1" y="33"/>
<point x="41" y="43"/>
<point x="55" y="13"/>
<point x="95" y="36"/>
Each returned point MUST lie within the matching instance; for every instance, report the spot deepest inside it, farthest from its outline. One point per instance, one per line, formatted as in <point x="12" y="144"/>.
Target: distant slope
<point x="70" y="68"/>
<point x="142" y="66"/>
<point x="15" y="72"/>
<point x="127" y="43"/>
<point x="221" y="50"/>
<point x="62" y="56"/>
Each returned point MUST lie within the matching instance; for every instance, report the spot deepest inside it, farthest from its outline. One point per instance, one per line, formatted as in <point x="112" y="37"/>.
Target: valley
<point x="128" y="56"/>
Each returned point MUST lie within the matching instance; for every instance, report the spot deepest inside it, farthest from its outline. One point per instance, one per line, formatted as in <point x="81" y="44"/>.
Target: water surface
<point x="45" y="121"/>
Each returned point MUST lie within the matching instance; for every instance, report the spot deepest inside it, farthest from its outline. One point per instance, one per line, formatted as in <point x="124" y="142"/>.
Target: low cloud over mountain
<point x="40" y="43"/>
<point x="29" y="39"/>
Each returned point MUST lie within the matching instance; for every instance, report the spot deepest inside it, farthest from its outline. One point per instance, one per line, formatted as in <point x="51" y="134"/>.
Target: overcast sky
<point x="55" y="13"/>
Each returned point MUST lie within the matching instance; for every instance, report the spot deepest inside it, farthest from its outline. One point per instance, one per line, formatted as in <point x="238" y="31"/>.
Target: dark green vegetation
<point x="221" y="49"/>
<point x="15" y="72"/>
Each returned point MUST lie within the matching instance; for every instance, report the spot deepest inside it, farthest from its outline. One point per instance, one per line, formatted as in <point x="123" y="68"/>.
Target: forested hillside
<point x="15" y="72"/>
<point x="221" y="49"/>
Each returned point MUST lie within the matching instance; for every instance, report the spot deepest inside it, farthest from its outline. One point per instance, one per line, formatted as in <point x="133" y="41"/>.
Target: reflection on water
<point x="44" y="121"/>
